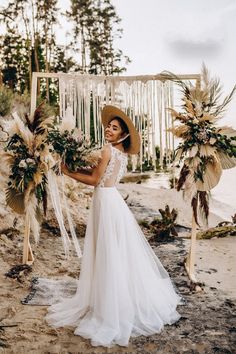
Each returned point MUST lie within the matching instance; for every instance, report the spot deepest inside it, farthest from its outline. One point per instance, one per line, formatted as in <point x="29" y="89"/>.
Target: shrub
<point x="6" y="100"/>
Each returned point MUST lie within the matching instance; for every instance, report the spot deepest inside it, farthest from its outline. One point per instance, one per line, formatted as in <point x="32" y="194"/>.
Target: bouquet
<point x="26" y="155"/>
<point x="75" y="151"/>
<point x="34" y="148"/>
<point x="205" y="148"/>
<point x="69" y="144"/>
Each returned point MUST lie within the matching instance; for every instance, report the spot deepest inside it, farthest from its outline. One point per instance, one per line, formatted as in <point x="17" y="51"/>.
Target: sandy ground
<point x="208" y="318"/>
<point x="215" y="258"/>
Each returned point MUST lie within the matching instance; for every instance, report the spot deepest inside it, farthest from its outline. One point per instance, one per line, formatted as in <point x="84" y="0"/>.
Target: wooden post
<point x="28" y="257"/>
<point x="33" y="93"/>
<point x="189" y="263"/>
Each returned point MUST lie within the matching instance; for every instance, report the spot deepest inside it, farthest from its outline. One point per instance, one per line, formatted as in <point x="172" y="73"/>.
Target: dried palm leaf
<point x="179" y="131"/>
<point x="207" y="117"/>
<point x="193" y="151"/>
<point x="207" y="150"/>
<point x="184" y="86"/>
<point x="221" y="108"/>
<point x="15" y="200"/>
<point x="226" y="161"/>
<point x="228" y="131"/>
<point x="190" y="189"/>
<point x="193" y="163"/>
<point x="212" y="141"/>
<point x="211" y="176"/>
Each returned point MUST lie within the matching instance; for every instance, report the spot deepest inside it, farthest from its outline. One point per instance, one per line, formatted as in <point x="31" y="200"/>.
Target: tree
<point x="95" y="28"/>
<point x="36" y="20"/>
<point x="30" y="43"/>
<point x="15" y="61"/>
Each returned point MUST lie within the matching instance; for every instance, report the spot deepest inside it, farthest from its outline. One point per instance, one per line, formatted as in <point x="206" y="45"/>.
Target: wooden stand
<point x="190" y="260"/>
<point x="28" y="257"/>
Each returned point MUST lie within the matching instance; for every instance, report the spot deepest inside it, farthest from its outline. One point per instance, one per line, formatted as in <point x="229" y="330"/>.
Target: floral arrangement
<point x="205" y="148"/>
<point x="74" y="150"/>
<point x="26" y="155"/>
<point x="34" y="147"/>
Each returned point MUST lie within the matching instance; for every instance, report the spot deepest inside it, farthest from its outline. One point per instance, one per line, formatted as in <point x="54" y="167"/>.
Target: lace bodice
<point x="116" y="168"/>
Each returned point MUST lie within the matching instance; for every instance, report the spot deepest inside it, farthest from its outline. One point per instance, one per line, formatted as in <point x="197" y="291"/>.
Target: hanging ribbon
<point x="56" y="202"/>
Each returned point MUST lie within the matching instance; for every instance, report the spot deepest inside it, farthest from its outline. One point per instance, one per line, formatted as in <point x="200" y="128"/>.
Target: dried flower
<point x="23" y="164"/>
<point x="30" y="161"/>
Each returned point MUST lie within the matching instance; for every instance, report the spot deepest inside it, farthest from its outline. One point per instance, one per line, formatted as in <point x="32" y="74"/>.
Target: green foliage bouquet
<point x="75" y="151"/>
<point x="26" y="154"/>
<point x="34" y="149"/>
<point x="68" y="144"/>
<point x="27" y="157"/>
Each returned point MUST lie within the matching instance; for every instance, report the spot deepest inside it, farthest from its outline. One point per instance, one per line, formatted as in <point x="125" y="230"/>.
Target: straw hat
<point x="110" y="112"/>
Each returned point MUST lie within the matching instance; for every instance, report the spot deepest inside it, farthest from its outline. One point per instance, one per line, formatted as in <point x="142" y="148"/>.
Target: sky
<point x="178" y="35"/>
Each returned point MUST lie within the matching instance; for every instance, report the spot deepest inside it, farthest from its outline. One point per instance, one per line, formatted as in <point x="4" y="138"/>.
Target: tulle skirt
<point x="123" y="289"/>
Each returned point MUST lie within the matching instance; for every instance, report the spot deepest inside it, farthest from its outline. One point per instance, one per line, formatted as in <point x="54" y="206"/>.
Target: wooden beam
<point x="38" y="75"/>
<point x="121" y="78"/>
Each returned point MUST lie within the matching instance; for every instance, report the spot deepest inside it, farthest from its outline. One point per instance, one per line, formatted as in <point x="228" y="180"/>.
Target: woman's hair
<point x="124" y="128"/>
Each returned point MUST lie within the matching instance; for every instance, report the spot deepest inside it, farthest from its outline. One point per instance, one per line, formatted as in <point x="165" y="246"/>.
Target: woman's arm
<point x="94" y="177"/>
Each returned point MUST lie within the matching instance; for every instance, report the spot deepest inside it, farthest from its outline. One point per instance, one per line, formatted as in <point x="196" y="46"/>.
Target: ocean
<point x="223" y="196"/>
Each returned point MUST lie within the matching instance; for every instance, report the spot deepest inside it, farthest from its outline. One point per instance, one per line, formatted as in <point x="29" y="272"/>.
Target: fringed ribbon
<point x="70" y="222"/>
<point x="144" y="100"/>
<point x="56" y="202"/>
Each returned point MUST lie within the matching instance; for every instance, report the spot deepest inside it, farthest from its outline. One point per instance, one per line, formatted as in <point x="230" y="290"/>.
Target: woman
<point x="123" y="289"/>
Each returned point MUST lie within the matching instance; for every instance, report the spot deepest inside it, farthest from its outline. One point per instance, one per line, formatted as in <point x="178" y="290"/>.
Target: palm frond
<point x="221" y="109"/>
<point x="205" y="76"/>
<point x="184" y="85"/>
<point x="226" y="161"/>
<point x="15" y="200"/>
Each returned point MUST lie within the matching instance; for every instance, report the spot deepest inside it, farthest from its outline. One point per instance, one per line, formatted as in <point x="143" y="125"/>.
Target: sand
<point x="208" y="318"/>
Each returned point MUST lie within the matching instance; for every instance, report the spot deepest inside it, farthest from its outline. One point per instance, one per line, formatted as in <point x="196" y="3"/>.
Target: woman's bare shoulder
<point x="106" y="150"/>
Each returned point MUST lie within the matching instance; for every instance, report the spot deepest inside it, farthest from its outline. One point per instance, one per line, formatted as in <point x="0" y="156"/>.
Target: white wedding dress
<point x="123" y="289"/>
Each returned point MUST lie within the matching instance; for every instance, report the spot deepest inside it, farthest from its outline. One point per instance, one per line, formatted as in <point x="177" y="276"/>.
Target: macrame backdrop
<point x="144" y="100"/>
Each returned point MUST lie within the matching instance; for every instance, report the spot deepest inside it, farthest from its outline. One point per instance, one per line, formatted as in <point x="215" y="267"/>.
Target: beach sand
<point x="207" y="324"/>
